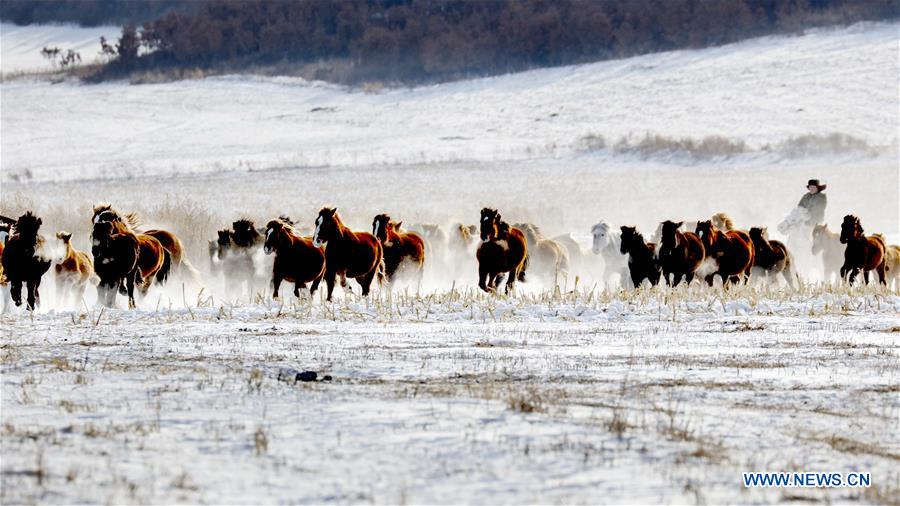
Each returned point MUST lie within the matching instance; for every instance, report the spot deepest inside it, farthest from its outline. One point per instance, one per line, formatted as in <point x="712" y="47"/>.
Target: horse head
<point x="28" y="225"/>
<point x="245" y="233"/>
<point x="490" y="219"/>
<point x="630" y="238"/>
<point x="327" y="223"/>
<point x="602" y="233"/>
<point x="851" y="229"/>
<point x="381" y="226"/>
<point x="669" y="229"/>
<point x="707" y="232"/>
<point x="274" y="229"/>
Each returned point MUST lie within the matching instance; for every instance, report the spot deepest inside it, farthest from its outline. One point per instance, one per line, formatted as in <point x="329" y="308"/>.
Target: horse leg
<point x="297" y="286"/>
<point x="511" y="280"/>
<point x="852" y="277"/>
<point x="329" y="283"/>
<point x="15" y="290"/>
<point x="32" y="294"/>
<point x="865" y="276"/>
<point x="688" y="277"/>
<point x="882" y="273"/>
<point x="276" y="284"/>
<point x="366" y="281"/>
<point x="483" y="275"/>
<point x="314" y="286"/>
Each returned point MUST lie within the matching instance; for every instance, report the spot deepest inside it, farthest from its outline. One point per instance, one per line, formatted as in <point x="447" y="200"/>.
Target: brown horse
<point x="503" y="250"/>
<point x="74" y="271"/>
<point x="296" y="259"/>
<point x="153" y="259"/>
<point x="347" y="254"/>
<point x="172" y="244"/>
<point x="773" y="256"/>
<point x="116" y="256"/>
<point x="547" y="257"/>
<point x="863" y="253"/>
<point x="732" y="250"/>
<point x="680" y="253"/>
<point x="828" y="243"/>
<point x="400" y="248"/>
<point x="642" y="263"/>
<point x="22" y="260"/>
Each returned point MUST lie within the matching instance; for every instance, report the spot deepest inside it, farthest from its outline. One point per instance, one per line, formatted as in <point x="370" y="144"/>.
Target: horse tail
<point x="521" y="275"/>
<point x="163" y="273"/>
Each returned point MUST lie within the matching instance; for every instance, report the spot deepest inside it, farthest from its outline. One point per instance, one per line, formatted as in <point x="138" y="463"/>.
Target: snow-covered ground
<point x="460" y="400"/>
<point x="20" y="46"/>
<point x="586" y="396"/>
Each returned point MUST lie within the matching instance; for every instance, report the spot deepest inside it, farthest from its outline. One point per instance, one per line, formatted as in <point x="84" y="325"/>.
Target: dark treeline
<point x="89" y="12"/>
<point x="419" y="40"/>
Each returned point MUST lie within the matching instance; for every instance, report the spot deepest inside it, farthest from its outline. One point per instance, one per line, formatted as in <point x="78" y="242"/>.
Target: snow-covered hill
<point x="765" y="93"/>
<point x="20" y="46"/>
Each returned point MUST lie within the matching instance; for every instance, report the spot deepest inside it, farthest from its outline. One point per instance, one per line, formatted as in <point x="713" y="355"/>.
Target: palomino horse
<point x="351" y="254"/>
<point x="642" y="263"/>
<point x="153" y="259"/>
<point x="22" y="260"/>
<point x="607" y="242"/>
<point x="863" y="253"/>
<point x="722" y="221"/>
<point x="732" y="250"/>
<point x="503" y="250"/>
<point x="773" y="257"/>
<point x="828" y="243"/>
<point x="116" y="256"/>
<point x="400" y="248"/>
<point x="168" y="240"/>
<point x="892" y="263"/>
<point x="680" y="253"/>
<point x="546" y="257"/>
<point x="74" y="271"/>
<point x="296" y="259"/>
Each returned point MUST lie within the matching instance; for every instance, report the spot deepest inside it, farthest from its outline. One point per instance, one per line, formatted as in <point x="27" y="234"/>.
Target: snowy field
<point x="439" y="393"/>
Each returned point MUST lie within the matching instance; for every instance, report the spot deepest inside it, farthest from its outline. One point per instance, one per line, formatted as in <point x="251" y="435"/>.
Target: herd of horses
<point x="123" y="257"/>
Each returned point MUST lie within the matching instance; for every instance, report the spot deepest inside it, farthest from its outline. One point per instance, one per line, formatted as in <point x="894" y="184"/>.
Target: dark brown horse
<point x="642" y="263"/>
<point x="773" y="256"/>
<point x="680" y="253"/>
<point x="23" y="261"/>
<point x="405" y="249"/>
<point x="732" y="250"/>
<point x="296" y="259"/>
<point x="503" y="250"/>
<point x="5" y="229"/>
<point x="172" y="244"/>
<point x="116" y="257"/>
<point x="351" y="254"/>
<point x="863" y="253"/>
<point x="153" y="259"/>
<point x="74" y="270"/>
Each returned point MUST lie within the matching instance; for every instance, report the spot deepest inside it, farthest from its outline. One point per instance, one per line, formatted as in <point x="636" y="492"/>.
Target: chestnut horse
<point x="773" y="256"/>
<point x="732" y="250"/>
<point x="347" y="254"/>
<point x="863" y="253"/>
<point x="296" y="259"/>
<point x="642" y="263"/>
<point x="153" y="259"/>
<point x="405" y="248"/>
<point x="828" y="243"/>
<point x="680" y="253"/>
<point x="503" y="250"/>
<point x="74" y="271"/>
<point x="22" y="260"/>
<point x="116" y="257"/>
<point x="172" y="244"/>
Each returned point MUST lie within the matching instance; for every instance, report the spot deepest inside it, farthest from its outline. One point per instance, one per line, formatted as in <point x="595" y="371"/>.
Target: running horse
<point x="680" y="253"/>
<point x="863" y="253"/>
<point x="503" y="250"/>
<point x="116" y="255"/>
<point x="732" y="250"/>
<point x="168" y="240"/>
<point x="773" y="256"/>
<point x="73" y="271"/>
<point x="22" y="260"/>
<point x="401" y="249"/>
<point x="642" y="262"/>
<point x="297" y="260"/>
<point x="154" y="260"/>
<point x="351" y="254"/>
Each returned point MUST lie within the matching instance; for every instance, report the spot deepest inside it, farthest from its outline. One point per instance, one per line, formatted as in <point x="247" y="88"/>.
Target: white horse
<point x="798" y="231"/>
<point x="608" y="244"/>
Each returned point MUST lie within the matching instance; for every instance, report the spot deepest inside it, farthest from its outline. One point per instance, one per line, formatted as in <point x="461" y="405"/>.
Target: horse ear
<point x="679" y="224"/>
<point x="333" y="211"/>
<point x="67" y="236"/>
<point x="398" y="225"/>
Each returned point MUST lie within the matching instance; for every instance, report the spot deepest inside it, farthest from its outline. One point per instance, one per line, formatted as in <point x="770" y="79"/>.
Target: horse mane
<point x="131" y="220"/>
<point x="724" y="219"/>
<point x="28" y="225"/>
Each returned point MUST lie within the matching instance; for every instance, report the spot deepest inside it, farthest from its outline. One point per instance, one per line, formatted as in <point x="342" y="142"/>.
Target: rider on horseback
<point x="814" y="201"/>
